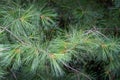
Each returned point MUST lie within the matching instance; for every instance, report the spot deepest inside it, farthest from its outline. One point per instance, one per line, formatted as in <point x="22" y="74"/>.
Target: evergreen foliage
<point x="59" y="40"/>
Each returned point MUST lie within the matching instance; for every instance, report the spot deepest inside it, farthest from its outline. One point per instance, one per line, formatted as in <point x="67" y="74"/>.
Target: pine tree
<point x="59" y="40"/>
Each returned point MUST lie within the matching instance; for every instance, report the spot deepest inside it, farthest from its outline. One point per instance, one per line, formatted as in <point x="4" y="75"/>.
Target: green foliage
<point x="57" y="40"/>
<point x="47" y="18"/>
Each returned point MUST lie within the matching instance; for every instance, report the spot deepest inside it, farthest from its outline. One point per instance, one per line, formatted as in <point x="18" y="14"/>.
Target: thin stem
<point x="12" y="34"/>
<point x="14" y="76"/>
<point x="75" y="70"/>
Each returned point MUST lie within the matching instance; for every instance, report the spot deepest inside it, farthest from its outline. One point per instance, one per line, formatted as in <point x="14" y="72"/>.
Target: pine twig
<point x="12" y="34"/>
<point x="14" y="76"/>
<point x="75" y="70"/>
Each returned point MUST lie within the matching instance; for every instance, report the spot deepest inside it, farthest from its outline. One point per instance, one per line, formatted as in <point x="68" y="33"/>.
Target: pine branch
<point x="76" y="71"/>
<point x="12" y="34"/>
<point x="14" y="75"/>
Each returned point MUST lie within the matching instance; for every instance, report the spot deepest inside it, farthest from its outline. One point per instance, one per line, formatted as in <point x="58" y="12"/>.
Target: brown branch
<point x="12" y="34"/>
<point x="107" y="29"/>
<point x="75" y="70"/>
<point x="14" y="76"/>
